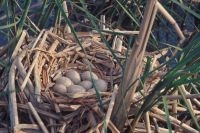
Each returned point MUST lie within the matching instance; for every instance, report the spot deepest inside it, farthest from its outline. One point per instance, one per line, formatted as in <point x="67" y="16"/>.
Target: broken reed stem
<point x="147" y="122"/>
<point x="34" y="61"/>
<point x="27" y="126"/>
<point x="12" y="97"/>
<point x="155" y="122"/>
<point x="22" y="72"/>
<point x="118" y="43"/>
<point x="56" y="107"/>
<point x="135" y="59"/>
<point x="196" y="102"/>
<point x="102" y="22"/>
<point x="110" y="108"/>
<point x="140" y="128"/>
<point x="144" y="40"/>
<point x="112" y="127"/>
<point x="11" y="87"/>
<point x="188" y="96"/>
<point x="189" y="105"/>
<point x="160" y="115"/>
<point x="19" y="44"/>
<point x="171" y="20"/>
<point x="37" y="82"/>
<point x="193" y="99"/>
<point x="114" y="42"/>
<point x="63" y="128"/>
<point x="174" y="24"/>
<point x="184" y="92"/>
<point x="175" y="105"/>
<point x="52" y="122"/>
<point x="64" y="4"/>
<point x="181" y="109"/>
<point x="151" y="21"/>
<point x="124" y="32"/>
<point x="37" y="117"/>
<point x="36" y="41"/>
<point x="133" y="68"/>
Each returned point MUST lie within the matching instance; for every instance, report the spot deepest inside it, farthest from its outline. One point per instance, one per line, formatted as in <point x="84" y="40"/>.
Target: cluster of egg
<point x="73" y="82"/>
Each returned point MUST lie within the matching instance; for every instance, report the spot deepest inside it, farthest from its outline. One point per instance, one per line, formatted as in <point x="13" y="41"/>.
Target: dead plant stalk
<point x="133" y="67"/>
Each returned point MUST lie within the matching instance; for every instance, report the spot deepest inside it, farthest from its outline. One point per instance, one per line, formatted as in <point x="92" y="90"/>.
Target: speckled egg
<point x="64" y="80"/>
<point x="101" y="85"/>
<point x="75" y="89"/>
<point x="60" y="88"/>
<point x="74" y="76"/>
<point x="87" y="75"/>
<point x="86" y="84"/>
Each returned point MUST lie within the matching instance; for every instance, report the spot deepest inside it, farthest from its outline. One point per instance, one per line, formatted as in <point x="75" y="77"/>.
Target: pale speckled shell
<point x="87" y="75"/>
<point x="75" y="89"/>
<point x="101" y="85"/>
<point x="86" y="84"/>
<point x="64" y="80"/>
<point x="60" y="88"/>
<point x="74" y="76"/>
<point x="91" y="90"/>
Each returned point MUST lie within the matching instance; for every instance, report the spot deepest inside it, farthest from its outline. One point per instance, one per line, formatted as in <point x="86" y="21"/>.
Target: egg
<point x="75" y="89"/>
<point x="74" y="76"/>
<point x="64" y="80"/>
<point x="101" y="85"/>
<point x="86" y="84"/>
<point x="87" y="75"/>
<point x="91" y="90"/>
<point x="60" y="88"/>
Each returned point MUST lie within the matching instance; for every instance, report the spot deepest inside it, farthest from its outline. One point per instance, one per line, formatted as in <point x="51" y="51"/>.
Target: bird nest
<point x="37" y="66"/>
<point x="62" y="83"/>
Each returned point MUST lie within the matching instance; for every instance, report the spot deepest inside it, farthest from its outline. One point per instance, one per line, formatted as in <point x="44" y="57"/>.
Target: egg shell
<point x="74" y="76"/>
<point x="101" y="85"/>
<point x="75" y="89"/>
<point x="86" y="84"/>
<point x="60" y="88"/>
<point x="91" y="90"/>
<point x="64" y="80"/>
<point x="87" y="75"/>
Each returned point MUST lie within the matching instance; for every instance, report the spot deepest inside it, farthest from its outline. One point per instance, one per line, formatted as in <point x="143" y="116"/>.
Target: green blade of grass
<point x="8" y="26"/>
<point x="42" y="11"/>
<point x="167" y="114"/>
<point x="187" y="9"/>
<point x="19" y="27"/>
<point x="127" y="12"/>
<point x="189" y="109"/>
<point x="23" y="18"/>
<point x="46" y="15"/>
